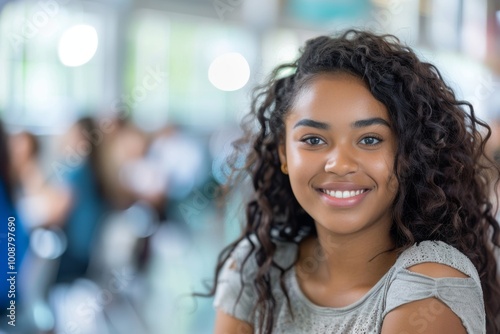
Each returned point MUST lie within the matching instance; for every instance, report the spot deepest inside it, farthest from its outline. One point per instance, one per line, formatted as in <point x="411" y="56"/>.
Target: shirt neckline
<point x="330" y="310"/>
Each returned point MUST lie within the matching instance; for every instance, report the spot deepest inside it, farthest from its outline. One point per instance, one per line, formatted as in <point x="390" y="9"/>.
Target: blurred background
<point x="117" y="116"/>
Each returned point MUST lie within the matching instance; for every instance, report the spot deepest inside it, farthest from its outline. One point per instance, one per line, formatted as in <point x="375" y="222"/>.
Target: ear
<point x="282" y="152"/>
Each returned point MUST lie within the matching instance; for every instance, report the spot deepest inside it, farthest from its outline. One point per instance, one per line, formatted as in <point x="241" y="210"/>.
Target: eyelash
<point x="308" y="140"/>
<point x="378" y="139"/>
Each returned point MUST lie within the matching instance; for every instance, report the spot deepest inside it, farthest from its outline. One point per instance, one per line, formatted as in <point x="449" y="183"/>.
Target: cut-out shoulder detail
<point x="437" y="252"/>
<point x="437" y="270"/>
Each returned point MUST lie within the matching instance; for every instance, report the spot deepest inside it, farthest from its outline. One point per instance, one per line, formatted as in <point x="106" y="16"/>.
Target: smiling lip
<point x="343" y="195"/>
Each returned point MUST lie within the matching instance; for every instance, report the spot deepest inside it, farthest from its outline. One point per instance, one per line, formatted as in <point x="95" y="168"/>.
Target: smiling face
<point x="340" y="149"/>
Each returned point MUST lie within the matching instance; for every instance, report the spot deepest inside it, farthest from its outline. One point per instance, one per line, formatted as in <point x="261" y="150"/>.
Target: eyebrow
<point x="370" y="121"/>
<point x="325" y="126"/>
<point x="311" y="123"/>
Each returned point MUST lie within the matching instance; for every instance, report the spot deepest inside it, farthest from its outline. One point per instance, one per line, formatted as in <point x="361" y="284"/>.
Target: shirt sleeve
<point x="235" y="294"/>
<point x="464" y="296"/>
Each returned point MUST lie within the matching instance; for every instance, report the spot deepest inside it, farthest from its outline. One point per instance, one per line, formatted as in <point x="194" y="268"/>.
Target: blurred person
<point x="131" y="185"/>
<point x="88" y="204"/>
<point x="107" y="225"/>
<point x="135" y="189"/>
<point x="124" y="145"/>
<point x="40" y="206"/>
<point x="9" y="218"/>
<point x="40" y="203"/>
<point x="181" y="160"/>
<point x="173" y="178"/>
<point x="370" y="203"/>
<point x="25" y="150"/>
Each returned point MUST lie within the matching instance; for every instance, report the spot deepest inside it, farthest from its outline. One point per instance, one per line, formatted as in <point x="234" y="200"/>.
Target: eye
<point x="313" y="141"/>
<point x="370" y="141"/>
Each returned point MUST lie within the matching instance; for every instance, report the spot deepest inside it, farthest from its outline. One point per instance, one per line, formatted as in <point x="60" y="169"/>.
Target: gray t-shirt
<point x="398" y="286"/>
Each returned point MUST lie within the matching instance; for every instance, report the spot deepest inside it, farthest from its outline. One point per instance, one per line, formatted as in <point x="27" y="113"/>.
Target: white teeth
<point x="343" y="194"/>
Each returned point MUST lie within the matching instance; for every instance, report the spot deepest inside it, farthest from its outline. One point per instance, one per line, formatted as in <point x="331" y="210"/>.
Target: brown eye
<point x="313" y="141"/>
<point x="370" y="141"/>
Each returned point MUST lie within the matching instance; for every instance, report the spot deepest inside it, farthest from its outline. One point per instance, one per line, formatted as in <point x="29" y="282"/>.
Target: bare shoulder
<point x="436" y="270"/>
<point x="227" y="324"/>
<point x="428" y="315"/>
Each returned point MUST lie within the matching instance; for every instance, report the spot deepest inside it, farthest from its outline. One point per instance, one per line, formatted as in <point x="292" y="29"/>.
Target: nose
<point x="341" y="161"/>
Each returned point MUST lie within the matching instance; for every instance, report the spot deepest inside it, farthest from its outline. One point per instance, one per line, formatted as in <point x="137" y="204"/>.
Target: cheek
<point x="301" y="168"/>
<point x="388" y="177"/>
<point x="381" y="167"/>
<point x="301" y="162"/>
<point x="393" y="185"/>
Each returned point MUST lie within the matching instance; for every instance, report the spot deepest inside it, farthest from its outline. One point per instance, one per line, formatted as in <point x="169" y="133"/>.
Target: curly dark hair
<point x="440" y="162"/>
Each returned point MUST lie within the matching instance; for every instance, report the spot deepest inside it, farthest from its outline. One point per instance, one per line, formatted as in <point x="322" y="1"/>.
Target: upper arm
<point x="226" y="324"/>
<point x="429" y="315"/>
<point x="235" y="295"/>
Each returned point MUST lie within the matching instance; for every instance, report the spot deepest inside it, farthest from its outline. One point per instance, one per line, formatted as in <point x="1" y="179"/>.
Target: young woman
<point x="370" y="210"/>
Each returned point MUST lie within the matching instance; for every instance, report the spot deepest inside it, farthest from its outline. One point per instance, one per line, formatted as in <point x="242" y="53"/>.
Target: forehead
<point x="336" y="95"/>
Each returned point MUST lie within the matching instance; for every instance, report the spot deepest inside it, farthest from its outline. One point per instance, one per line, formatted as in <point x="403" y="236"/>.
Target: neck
<point x="331" y="258"/>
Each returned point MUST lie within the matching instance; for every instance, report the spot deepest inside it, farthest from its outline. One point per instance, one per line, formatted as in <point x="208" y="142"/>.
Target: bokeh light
<point x="78" y="45"/>
<point x="229" y="72"/>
